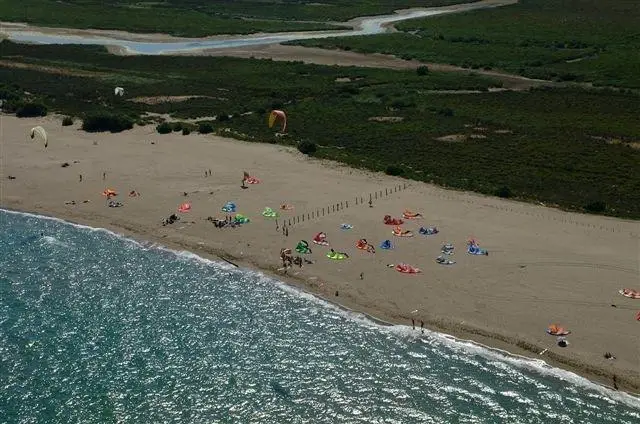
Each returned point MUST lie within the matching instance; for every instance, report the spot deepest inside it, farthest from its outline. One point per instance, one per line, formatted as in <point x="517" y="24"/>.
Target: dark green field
<point x="198" y="18"/>
<point x="574" y="147"/>
<point x="570" y="40"/>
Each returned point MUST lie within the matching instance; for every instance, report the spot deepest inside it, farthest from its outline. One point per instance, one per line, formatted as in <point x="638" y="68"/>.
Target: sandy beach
<point x="545" y="266"/>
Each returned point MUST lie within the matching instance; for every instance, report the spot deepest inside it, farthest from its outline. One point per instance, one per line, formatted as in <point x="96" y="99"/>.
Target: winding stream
<point x="131" y="43"/>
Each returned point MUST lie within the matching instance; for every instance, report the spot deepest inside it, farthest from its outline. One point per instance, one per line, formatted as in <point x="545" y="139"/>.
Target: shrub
<point x="205" y="128"/>
<point x="422" y="70"/>
<point x="176" y="126"/>
<point x="186" y="131"/>
<point x="595" y="207"/>
<point x="307" y="148"/>
<point x="446" y="112"/>
<point x="66" y="121"/>
<point x="504" y="192"/>
<point x="106" y="122"/>
<point x="28" y="110"/>
<point x="223" y="116"/>
<point x="164" y="128"/>
<point x="394" y="170"/>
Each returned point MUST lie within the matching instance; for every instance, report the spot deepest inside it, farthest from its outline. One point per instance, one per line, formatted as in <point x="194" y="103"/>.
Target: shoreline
<point x="503" y="301"/>
<point x="493" y="342"/>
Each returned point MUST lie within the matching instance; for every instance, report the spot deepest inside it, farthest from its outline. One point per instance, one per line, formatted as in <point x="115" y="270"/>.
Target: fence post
<point x="322" y="211"/>
<point x="289" y="222"/>
<point x="347" y="203"/>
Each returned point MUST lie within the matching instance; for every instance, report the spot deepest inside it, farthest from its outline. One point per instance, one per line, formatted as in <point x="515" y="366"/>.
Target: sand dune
<point x="545" y="266"/>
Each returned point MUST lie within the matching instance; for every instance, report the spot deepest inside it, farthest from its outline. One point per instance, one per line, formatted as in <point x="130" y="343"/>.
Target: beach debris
<point x="346" y="226"/>
<point x="11" y="177"/>
<point x="474" y="249"/>
<point x="337" y="256"/>
<point x="171" y="219"/>
<point x="562" y="342"/>
<point x="407" y="269"/>
<point x="630" y="293"/>
<point x="447" y="249"/>
<point x="399" y="232"/>
<point x="184" y="207"/>
<point x="118" y="91"/>
<point x="41" y="133"/>
<point x="363" y="244"/>
<point x="444" y="261"/>
<point x="269" y="213"/>
<point x="70" y="202"/>
<point x="250" y="179"/>
<point x="386" y="245"/>
<point x="278" y="115"/>
<point x="320" y="239"/>
<point x="286" y="207"/>
<point x="65" y="165"/>
<point x="109" y="193"/>
<point x="407" y="214"/>
<point x="557" y="330"/>
<point x="229" y="207"/>
<point x="543" y="352"/>
<point x="303" y="247"/>
<point x="609" y="355"/>
<point x="134" y="193"/>
<point x="115" y="204"/>
<point x="388" y="220"/>
<point x="428" y="231"/>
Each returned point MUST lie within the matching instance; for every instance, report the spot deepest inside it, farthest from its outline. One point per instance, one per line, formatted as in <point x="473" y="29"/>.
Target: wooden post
<point x="289" y="222"/>
<point x="322" y="211"/>
<point x="347" y="203"/>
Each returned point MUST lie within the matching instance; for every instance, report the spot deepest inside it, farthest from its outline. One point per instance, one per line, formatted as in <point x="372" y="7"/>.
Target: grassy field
<point x="198" y="18"/>
<point x="577" y="148"/>
<point x="571" y="40"/>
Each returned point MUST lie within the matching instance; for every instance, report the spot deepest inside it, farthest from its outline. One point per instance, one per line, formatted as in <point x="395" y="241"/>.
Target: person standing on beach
<point x="104" y="176"/>
<point x="422" y="326"/>
<point x="413" y="323"/>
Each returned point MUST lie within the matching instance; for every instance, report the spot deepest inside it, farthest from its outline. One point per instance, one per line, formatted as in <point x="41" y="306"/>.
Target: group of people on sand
<point x="288" y="260"/>
<point x="227" y="222"/>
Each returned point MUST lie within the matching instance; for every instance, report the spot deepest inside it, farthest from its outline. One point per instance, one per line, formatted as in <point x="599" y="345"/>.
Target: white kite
<point x="39" y="131"/>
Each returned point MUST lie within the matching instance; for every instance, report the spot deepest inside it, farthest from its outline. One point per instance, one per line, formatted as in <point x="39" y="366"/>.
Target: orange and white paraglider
<point x="278" y="115"/>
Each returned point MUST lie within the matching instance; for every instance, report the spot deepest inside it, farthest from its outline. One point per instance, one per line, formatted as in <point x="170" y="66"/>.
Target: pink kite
<point x="185" y="207"/>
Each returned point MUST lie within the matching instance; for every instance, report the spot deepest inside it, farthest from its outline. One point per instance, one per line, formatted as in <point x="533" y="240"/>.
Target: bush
<point x="504" y="192"/>
<point x="66" y="121"/>
<point x="223" y="116"/>
<point x="186" y="131"/>
<point x="422" y="70"/>
<point x="176" y="126"/>
<point x="307" y="148"/>
<point x="446" y="112"/>
<point x="595" y="207"/>
<point x="29" y="110"/>
<point x="106" y="122"/>
<point x="205" y="128"/>
<point x="394" y="170"/>
<point x="164" y="128"/>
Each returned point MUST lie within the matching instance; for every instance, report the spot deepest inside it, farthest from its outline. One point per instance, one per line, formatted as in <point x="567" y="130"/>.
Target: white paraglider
<point x="119" y="91"/>
<point x="40" y="132"/>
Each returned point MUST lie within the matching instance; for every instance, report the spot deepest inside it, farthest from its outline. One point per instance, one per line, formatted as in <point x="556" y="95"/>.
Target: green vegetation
<point x="29" y="109"/>
<point x="106" y="121"/>
<point x="307" y="148"/>
<point x="199" y="18"/>
<point x="571" y="40"/>
<point x="575" y="147"/>
<point x="67" y="121"/>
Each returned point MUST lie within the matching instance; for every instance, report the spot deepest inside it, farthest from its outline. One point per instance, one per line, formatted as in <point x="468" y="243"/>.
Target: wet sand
<point x="545" y="266"/>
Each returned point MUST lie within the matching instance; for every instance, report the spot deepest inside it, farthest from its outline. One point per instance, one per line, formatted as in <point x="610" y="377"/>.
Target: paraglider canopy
<point x="278" y="115"/>
<point x="40" y="132"/>
<point x="119" y="91"/>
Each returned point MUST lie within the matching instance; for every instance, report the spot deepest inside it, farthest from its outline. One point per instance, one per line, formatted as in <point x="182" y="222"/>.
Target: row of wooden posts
<point x="337" y="207"/>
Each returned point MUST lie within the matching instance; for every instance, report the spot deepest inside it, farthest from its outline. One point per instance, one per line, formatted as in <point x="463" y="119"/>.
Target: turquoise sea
<point x="96" y="328"/>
